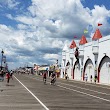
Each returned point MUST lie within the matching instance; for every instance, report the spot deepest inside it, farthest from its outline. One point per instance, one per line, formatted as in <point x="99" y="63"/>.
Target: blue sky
<point x="35" y="31"/>
<point x="20" y="9"/>
<point x="90" y="3"/>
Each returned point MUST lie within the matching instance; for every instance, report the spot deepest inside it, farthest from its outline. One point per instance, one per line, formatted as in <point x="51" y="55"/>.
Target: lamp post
<point x="2" y="58"/>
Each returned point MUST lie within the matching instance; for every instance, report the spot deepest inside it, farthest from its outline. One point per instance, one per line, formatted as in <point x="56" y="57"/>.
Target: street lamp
<point x="2" y="58"/>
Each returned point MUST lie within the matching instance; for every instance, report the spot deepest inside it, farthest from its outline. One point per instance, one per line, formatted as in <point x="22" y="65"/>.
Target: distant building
<point x="39" y="69"/>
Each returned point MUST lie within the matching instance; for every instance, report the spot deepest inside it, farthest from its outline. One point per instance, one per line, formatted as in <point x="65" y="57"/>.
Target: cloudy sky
<point x="35" y="31"/>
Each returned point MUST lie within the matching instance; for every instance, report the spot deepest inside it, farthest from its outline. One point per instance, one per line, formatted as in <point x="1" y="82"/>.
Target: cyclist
<point x="53" y="78"/>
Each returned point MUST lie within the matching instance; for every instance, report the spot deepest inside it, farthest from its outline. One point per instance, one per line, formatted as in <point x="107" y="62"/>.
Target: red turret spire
<point x="83" y="40"/>
<point x="73" y="44"/>
<point x="97" y="35"/>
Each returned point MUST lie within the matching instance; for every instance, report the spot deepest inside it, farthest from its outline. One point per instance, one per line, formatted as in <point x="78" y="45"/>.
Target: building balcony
<point x="95" y="47"/>
<point x="71" y="53"/>
<point x="64" y="57"/>
<point x="81" y="51"/>
<point x="63" y="53"/>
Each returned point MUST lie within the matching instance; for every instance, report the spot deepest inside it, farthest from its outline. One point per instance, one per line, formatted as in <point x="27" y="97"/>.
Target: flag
<point x="75" y="36"/>
<point x="85" y="31"/>
<point x="99" y="24"/>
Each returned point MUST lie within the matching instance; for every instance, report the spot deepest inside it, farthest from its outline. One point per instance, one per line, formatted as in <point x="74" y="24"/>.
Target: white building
<point x="94" y="59"/>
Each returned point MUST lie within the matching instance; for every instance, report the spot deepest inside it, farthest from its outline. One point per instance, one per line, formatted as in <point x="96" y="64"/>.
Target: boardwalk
<point x="27" y="92"/>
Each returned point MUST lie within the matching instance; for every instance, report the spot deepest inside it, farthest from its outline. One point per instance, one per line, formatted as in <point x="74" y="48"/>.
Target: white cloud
<point x="67" y="12"/>
<point x="4" y="28"/>
<point x="10" y="3"/>
<point x="57" y="44"/>
<point x="51" y="56"/>
<point x="51" y="25"/>
<point x="99" y="15"/>
<point x="5" y="33"/>
<point x="24" y="19"/>
<point x="9" y="16"/>
<point x="21" y="26"/>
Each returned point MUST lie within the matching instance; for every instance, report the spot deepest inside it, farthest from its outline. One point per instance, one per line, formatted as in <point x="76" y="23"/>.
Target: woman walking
<point x="8" y="77"/>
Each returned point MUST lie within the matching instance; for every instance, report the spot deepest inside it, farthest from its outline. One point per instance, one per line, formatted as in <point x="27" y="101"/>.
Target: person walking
<point x="44" y="77"/>
<point x="2" y="75"/>
<point x="63" y="74"/>
<point x="95" y="79"/>
<point x="77" y="54"/>
<point x="53" y="78"/>
<point x="11" y="74"/>
<point x="8" y="77"/>
<point x="86" y="77"/>
<point x="91" y="78"/>
<point x="66" y="76"/>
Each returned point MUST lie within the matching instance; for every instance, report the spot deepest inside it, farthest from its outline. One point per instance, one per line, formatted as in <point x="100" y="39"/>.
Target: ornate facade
<point x="93" y="58"/>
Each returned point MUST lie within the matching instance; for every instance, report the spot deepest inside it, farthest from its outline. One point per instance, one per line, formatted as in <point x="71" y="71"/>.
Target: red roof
<point x="83" y="40"/>
<point x="73" y="44"/>
<point x="97" y="35"/>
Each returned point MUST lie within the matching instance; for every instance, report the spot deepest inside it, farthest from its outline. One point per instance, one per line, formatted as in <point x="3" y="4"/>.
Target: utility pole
<point x="2" y="58"/>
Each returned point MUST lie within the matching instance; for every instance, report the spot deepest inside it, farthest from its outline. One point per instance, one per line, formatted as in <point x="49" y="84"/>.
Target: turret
<point x="72" y="46"/>
<point x="64" y="54"/>
<point x="95" y="47"/>
<point x="95" y="41"/>
<point x="81" y="46"/>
